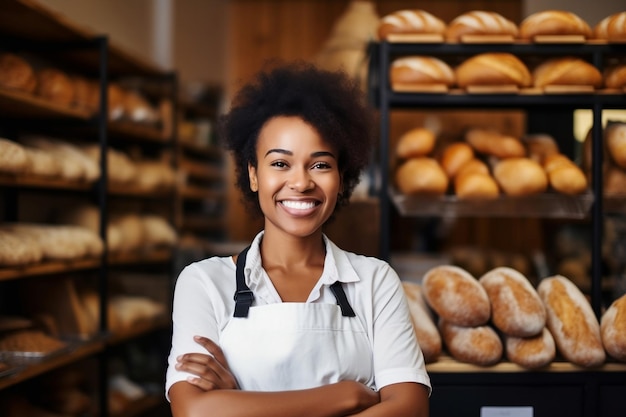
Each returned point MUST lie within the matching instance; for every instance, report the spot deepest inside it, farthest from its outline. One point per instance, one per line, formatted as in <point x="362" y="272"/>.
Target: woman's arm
<point x="406" y="399"/>
<point x="334" y="400"/>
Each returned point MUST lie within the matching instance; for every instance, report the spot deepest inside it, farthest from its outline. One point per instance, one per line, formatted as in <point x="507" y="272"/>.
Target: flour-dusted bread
<point x="531" y="352"/>
<point x="553" y="23"/>
<point x="456" y="296"/>
<point x="613" y="329"/>
<point x="423" y="322"/>
<point x="478" y="345"/>
<point x="410" y="22"/>
<point x="572" y="322"/>
<point x="516" y="308"/>
<point x="480" y="23"/>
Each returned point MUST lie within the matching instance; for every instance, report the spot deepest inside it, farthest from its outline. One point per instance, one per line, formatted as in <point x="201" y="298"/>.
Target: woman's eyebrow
<point x="278" y="150"/>
<point x="314" y="154"/>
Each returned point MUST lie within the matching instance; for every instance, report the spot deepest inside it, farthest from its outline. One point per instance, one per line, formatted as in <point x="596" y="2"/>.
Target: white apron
<point x="288" y="346"/>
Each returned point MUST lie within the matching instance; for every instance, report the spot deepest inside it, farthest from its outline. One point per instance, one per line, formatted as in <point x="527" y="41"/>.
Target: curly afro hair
<point x="330" y="101"/>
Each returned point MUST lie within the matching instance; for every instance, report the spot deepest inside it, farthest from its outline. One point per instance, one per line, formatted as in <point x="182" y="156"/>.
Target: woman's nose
<point x="300" y="180"/>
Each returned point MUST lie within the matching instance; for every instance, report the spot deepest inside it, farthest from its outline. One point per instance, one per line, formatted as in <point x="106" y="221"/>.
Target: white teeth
<point x="299" y="205"/>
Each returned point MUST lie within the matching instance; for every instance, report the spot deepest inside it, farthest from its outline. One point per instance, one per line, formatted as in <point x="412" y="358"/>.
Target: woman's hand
<point x="212" y="371"/>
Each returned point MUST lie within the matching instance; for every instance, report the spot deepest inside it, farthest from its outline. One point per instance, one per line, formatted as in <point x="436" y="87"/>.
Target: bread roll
<point x="56" y="86"/>
<point x="475" y="185"/>
<point x="615" y="76"/>
<point x="564" y="175"/>
<point x="615" y="134"/>
<point x="454" y="156"/>
<point x="419" y="70"/>
<point x="478" y="345"/>
<point x="566" y="71"/>
<point x="572" y="322"/>
<point x="493" y="69"/>
<point x="553" y="23"/>
<point x="473" y="166"/>
<point x="16" y="73"/>
<point x="421" y="176"/>
<point x="410" y="22"/>
<point x="531" y="352"/>
<point x="516" y="308"/>
<point x="416" y="142"/>
<point x="493" y="143"/>
<point x="456" y="296"/>
<point x="480" y="22"/>
<point x="520" y="176"/>
<point x="611" y="28"/>
<point x="423" y="322"/>
<point x="615" y="181"/>
<point x="540" y="145"/>
<point x="14" y="158"/>
<point x="613" y="329"/>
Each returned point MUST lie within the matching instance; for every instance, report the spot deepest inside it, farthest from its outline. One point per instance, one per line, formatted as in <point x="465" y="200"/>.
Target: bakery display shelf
<point x="18" y="104"/>
<point x="202" y="223"/>
<point x="200" y="170"/>
<point x="48" y="268"/>
<point x="136" y="132"/>
<point x="614" y="204"/>
<point x="138" y="192"/>
<point x="39" y="182"/>
<point x="151" y="255"/>
<point x="141" y="406"/>
<point x="192" y="192"/>
<point x="207" y="151"/>
<point x="27" y="371"/>
<point x="546" y="205"/>
<point x="139" y="329"/>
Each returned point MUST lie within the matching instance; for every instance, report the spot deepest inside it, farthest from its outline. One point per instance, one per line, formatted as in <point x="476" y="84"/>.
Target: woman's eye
<point x="279" y="164"/>
<point x="321" y="165"/>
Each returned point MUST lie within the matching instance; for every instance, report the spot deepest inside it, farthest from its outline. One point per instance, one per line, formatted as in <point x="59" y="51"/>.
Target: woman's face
<point x="297" y="177"/>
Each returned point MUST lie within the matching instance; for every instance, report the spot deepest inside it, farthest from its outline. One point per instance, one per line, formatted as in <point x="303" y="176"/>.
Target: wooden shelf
<point x="141" y="256"/>
<point x="199" y="170"/>
<point x="25" y="105"/>
<point x="132" y="191"/>
<point x="191" y="192"/>
<point x="136" y="131"/>
<point x="139" y="329"/>
<point x="202" y="223"/>
<point x="48" y="268"/>
<point x="32" y="181"/>
<point x="209" y="151"/>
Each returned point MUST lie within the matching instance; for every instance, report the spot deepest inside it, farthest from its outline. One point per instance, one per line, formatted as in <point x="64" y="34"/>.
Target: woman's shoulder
<point x="211" y="269"/>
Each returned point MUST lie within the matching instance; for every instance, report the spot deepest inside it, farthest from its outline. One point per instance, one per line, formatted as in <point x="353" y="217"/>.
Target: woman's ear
<point x="254" y="184"/>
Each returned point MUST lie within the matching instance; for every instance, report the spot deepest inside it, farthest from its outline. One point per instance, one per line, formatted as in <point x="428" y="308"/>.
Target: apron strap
<point x="243" y="294"/>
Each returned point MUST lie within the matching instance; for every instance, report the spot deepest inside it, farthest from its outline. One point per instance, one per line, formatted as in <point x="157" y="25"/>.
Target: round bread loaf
<point x="421" y="175"/>
<point x="419" y="70"/>
<point x="540" y="145"/>
<point x="516" y="308"/>
<point x="16" y="73"/>
<point x="520" y="176"/>
<point x="553" y="23"/>
<point x="425" y="328"/>
<point x="493" y="143"/>
<point x="615" y="76"/>
<point x="571" y="321"/>
<point x="611" y="28"/>
<point x="479" y="22"/>
<point x="615" y="134"/>
<point x="415" y="142"/>
<point x="564" y="175"/>
<point x="454" y="156"/>
<point x="531" y="352"/>
<point x="492" y="69"/>
<point x="475" y="185"/>
<point x="456" y="296"/>
<point x="613" y="329"/>
<point x="56" y="86"/>
<point x="412" y="21"/>
<point x="566" y="71"/>
<point x="473" y="166"/>
<point x="479" y="345"/>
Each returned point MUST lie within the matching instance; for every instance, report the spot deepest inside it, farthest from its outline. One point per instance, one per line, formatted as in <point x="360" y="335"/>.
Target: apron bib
<point x="288" y="346"/>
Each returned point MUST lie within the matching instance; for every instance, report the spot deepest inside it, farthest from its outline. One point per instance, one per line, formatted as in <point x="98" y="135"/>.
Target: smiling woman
<point x="312" y="329"/>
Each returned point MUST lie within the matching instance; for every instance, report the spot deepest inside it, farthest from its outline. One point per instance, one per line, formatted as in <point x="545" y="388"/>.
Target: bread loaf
<point x="42" y="163"/>
<point x="540" y="146"/>
<point x="520" y="176"/>
<point x="423" y="322"/>
<point x="480" y="22"/>
<point x="564" y="175"/>
<point x="421" y="176"/>
<point x="613" y="329"/>
<point x="531" y="352"/>
<point x="454" y="156"/>
<point x="14" y="159"/>
<point x="493" y="69"/>
<point x="86" y="93"/>
<point x="571" y="321"/>
<point x="415" y="142"/>
<point x="456" y="296"/>
<point x="479" y="345"/>
<point x="516" y="308"/>
<point x="571" y="71"/>
<point x="475" y="185"/>
<point x="615" y="134"/>
<point x="16" y="73"/>
<point x="615" y="182"/>
<point x="473" y="166"/>
<point x="611" y="28"/>
<point x="615" y="76"/>
<point x="553" y="23"/>
<point x="56" y="86"/>
<point x="493" y="143"/>
<point x="413" y="21"/>
<point x="419" y="70"/>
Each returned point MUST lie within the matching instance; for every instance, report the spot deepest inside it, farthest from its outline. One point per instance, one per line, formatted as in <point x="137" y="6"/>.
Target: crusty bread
<point x="454" y="156"/>
<point x="531" y="352"/>
<point x="611" y="28"/>
<point x="479" y="345"/>
<point x="493" y="143"/>
<point x="475" y="185"/>
<point x="540" y="145"/>
<point x="516" y="308"/>
<point x="564" y="175"/>
<point x="553" y="23"/>
<point x="571" y="321"/>
<point x="421" y="175"/>
<point x="412" y="21"/>
<point x="456" y="296"/>
<point x="56" y="86"/>
<point x="415" y="142"/>
<point x="566" y="70"/>
<point x="479" y="22"/>
<point x="613" y="329"/>
<point x="615" y="76"/>
<point x="416" y="70"/>
<point x="16" y="73"/>
<point x="14" y="159"/>
<point x="615" y="134"/>
<point x="520" y="176"/>
<point x="493" y="69"/>
<point x="423" y="322"/>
